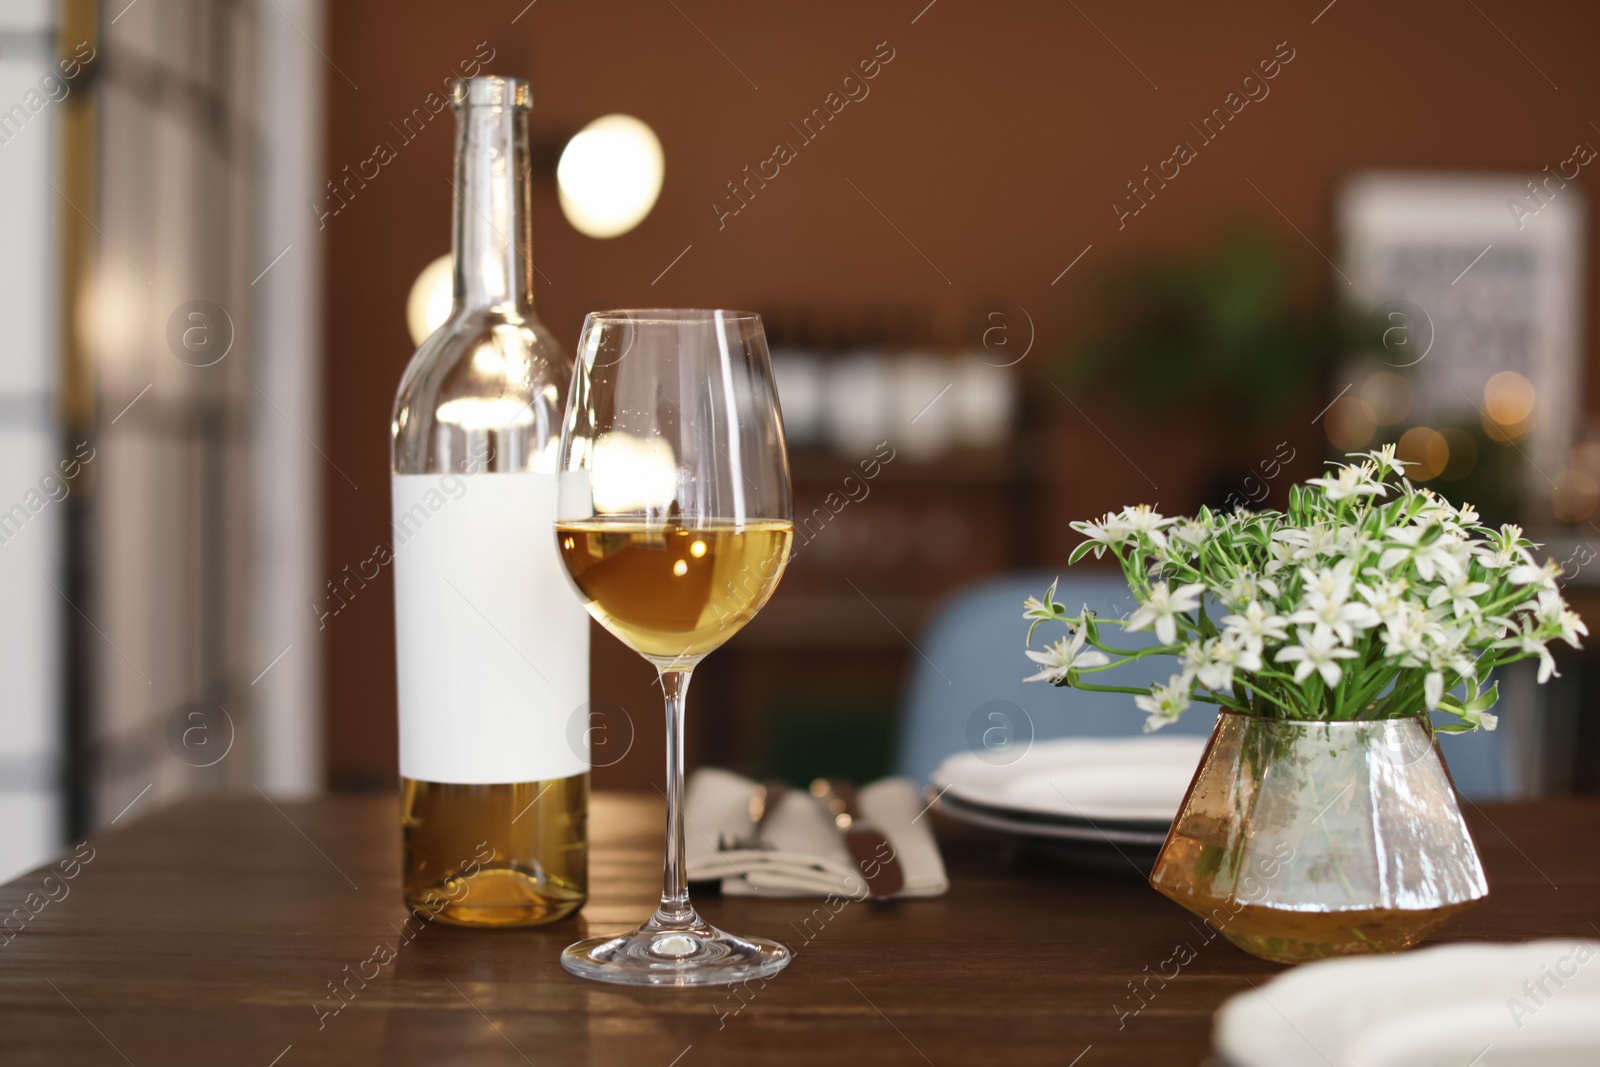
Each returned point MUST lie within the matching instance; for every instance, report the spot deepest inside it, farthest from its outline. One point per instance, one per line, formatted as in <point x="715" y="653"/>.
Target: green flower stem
<point x="1131" y="653"/>
<point x="1089" y="687"/>
<point x="1276" y="675"/>
<point x="1153" y="650"/>
<point x="1204" y="698"/>
<point x="1369" y="692"/>
<point x="1077" y="623"/>
<point x="1332" y="849"/>
<point x="1260" y="692"/>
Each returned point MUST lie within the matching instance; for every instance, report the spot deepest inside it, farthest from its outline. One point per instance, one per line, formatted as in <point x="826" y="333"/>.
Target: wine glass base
<point x="693" y="955"/>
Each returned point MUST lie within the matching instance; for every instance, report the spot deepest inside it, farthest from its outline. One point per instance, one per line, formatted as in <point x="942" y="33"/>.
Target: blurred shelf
<point x="817" y="467"/>
<point x="849" y="620"/>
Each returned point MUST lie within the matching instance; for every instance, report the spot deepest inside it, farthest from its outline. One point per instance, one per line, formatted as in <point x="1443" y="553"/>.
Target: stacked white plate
<point x="1120" y="792"/>
<point x="1535" y="1004"/>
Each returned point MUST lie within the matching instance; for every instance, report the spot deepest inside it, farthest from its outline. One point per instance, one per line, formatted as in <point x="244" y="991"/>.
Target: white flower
<point x="1384" y="460"/>
<point x="1529" y="573"/>
<point x="1330" y="583"/>
<point x="1385" y="595"/>
<point x="1496" y="626"/>
<point x="1107" y="533"/>
<point x="1316" y="651"/>
<point x="1034" y="608"/>
<point x="1327" y="606"/>
<point x="1220" y="658"/>
<point x="1406" y="633"/>
<point x="1433" y="689"/>
<point x="1060" y="658"/>
<point x="1191" y="534"/>
<point x="1255" y="625"/>
<point x="1330" y="616"/>
<point x="1460" y="664"/>
<point x="1353" y="543"/>
<point x="1553" y="611"/>
<point x="1433" y="681"/>
<point x="1165" y="703"/>
<point x="1351" y="481"/>
<point x="1309" y="542"/>
<point x="1529" y="643"/>
<point x="1142" y="519"/>
<point x="1435" y="508"/>
<point x="1459" y="591"/>
<point x="1504" y="549"/>
<point x="1162" y="606"/>
<point x="1245" y="587"/>
<point x="1310" y="590"/>
<point x="1430" y="557"/>
<point x="1446" y="639"/>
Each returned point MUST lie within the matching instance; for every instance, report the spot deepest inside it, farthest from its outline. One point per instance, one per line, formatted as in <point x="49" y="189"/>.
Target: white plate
<point x="1066" y="830"/>
<point x="1120" y="779"/>
<point x="1452" y="1005"/>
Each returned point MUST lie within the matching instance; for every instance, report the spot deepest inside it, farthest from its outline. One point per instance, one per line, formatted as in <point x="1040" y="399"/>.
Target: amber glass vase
<point x="1301" y="840"/>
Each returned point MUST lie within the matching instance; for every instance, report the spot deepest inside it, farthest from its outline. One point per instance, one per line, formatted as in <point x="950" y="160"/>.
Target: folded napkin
<point x="809" y="857"/>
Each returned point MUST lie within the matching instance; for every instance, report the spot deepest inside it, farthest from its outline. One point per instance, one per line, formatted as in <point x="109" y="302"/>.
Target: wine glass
<point x="674" y="520"/>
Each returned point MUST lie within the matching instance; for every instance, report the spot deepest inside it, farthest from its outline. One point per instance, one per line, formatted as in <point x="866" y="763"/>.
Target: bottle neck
<point x="493" y="266"/>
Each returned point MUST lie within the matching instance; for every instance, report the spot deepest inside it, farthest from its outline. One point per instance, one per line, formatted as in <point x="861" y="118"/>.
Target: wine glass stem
<point x="675" y="909"/>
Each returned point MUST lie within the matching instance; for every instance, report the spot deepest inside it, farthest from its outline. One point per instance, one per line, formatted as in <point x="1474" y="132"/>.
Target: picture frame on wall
<point x="1471" y="275"/>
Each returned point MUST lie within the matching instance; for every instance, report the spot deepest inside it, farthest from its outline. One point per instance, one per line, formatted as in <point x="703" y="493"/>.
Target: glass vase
<point x="1302" y="840"/>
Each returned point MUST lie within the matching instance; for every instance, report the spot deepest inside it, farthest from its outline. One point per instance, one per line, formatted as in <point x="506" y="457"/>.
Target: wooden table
<point x="205" y="934"/>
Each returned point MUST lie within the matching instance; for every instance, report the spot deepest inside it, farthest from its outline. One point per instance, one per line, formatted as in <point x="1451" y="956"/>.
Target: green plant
<point x="1223" y="325"/>
<point x="1366" y="599"/>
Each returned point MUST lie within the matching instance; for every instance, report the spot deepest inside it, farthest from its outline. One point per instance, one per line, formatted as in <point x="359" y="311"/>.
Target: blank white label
<point x="492" y="641"/>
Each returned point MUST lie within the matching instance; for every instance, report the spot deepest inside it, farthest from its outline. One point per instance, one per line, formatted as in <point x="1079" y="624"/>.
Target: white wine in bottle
<point x="492" y="648"/>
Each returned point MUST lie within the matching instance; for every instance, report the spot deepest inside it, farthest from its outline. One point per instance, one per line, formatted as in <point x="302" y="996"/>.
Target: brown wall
<point x="995" y="140"/>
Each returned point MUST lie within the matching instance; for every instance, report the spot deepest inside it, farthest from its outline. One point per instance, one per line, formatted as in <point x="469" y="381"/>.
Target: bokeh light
<point x="1388" y="396"/>
<point x="1508" y="400"/>
<point x="1575" y="496"/>
<point x="610" y="175"/>
<point x="1426" y="452"/>
<point x="1586" y="457"/>
<point x="632" y="473"/>
<point x="1349" y="424"/>
<point x="428" y="305"/>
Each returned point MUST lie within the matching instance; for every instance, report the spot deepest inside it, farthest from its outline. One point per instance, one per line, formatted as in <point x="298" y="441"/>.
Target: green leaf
<point x="1487" y="700"/>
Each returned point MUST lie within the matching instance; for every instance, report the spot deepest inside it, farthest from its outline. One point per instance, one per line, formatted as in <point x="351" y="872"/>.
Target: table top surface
<point x="208" y="932"/>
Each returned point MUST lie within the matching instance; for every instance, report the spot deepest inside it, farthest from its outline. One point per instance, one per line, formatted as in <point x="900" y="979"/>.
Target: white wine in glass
<point x="674" y="520"/>
<point x="675" y="592"/>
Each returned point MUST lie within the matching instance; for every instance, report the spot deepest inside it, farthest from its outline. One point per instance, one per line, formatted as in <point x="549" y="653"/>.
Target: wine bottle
<point x="492" y="649"/>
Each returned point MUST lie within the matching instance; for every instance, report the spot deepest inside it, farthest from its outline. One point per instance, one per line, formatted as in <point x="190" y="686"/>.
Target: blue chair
<point x="966" y="687"/>
<point x="1480" y="762"/>
<point x="967" y="684"/>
